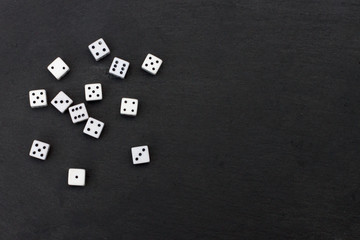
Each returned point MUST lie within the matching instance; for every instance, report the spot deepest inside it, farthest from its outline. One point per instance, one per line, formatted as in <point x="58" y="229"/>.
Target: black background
<point x="252" y="120"/>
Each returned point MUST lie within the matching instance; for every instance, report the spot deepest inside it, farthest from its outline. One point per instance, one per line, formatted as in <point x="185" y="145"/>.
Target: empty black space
<point x="252" y="122"/>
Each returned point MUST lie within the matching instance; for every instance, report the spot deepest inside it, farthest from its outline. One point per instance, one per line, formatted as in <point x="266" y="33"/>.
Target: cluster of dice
<point x="93" y="92"/>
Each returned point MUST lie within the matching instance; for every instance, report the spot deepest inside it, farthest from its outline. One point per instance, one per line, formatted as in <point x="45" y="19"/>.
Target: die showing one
<point x="93" y="127"/>
<point x="140" y="154"/>
<point x="38" y="98"/>
<point x="78" y="113"/>
<point x="129" y="106"/>
<point x="39" y="149"/>
<point x="93" y="92"/>
<point x="119" y="67"/>
<point x="58" y="68"/>
<point x="61" y="102"/>
<point x="76" y="177"/>
<point x="151" y="64"/>
<point x="99" y="49"/>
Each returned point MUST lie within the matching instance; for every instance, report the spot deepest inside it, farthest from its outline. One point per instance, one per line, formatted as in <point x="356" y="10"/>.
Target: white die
<point x="99" y="49"/>
<point x="61" y="102"/>
<point x="93" y="92"/>
<point x="38" y="98"/>
<point x="140" y="154"/>
<point x="76" y="177"/>
<point x="151" y="64"/>
<point x="93" y="127"/>
<point x="78" y="113"/>
<point x="58" y="68"/>
<point x="129" y="106"/>
<point x="39" y="149"/>
<point x="119" y="67"/>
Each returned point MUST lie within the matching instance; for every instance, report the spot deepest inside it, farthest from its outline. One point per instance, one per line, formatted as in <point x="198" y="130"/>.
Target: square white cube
<point x="61" y="102"/>
<point x="93" y="92"/>
<point x="99" y="49"/>
<point x="38" y="98"/>
<point x="93" y="127"/>
<point x="119" y="67"/>
<point x="78" y="113"/>
<point x="151" y="64"/>
<point x="129" y="106"/>
<point x="140" y="154"/>
<point x="39" y="149"/>
<point x="76" y="177"/>
<point x="58" y="68"/>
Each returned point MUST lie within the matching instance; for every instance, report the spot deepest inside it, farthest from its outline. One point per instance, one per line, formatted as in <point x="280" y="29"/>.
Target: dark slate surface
<point x="252" y="121"/>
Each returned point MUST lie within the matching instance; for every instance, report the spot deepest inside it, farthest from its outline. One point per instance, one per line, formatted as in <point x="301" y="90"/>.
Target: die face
<point x="76" y="177"/>
<point x="99" y="49"/>
<point x="78" y="113"/>
<point x="129" y="106"/>
<point x="58" y="68"/>
<point x="93" y="92"/>
<point x="140" y="154"/>
<point x="151" y="64"/>
<point x="38" y="98"/>
<point x="93" y="127"/>
<point x="119" y="67"/>
<point x="39" y="150"/>
<point x="61" y="101"/>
